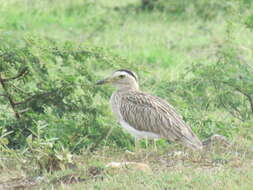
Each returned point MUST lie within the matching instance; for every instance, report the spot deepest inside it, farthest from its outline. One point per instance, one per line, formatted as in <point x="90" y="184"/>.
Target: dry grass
<point x="217" y="168"/>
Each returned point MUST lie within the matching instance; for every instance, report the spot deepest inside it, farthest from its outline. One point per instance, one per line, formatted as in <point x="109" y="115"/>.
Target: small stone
<point x="177" y="154"/>
<point x="129" y="165"/>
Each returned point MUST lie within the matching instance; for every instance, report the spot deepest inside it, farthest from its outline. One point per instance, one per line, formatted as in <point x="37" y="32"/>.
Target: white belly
<point x="138" y="134"/>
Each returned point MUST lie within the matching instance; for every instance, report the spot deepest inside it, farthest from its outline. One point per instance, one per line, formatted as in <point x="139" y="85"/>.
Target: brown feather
<point x="149" y="113"/>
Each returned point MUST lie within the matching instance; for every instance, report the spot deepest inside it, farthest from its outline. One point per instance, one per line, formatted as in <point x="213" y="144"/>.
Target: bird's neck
<point x="127" y="88"/>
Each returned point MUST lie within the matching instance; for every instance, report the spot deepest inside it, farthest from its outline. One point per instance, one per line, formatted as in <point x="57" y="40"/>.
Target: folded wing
<point x="149" y="113"/>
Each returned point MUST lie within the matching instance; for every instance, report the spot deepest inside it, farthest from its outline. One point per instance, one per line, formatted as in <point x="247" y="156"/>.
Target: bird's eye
<point x="121" y="76"/>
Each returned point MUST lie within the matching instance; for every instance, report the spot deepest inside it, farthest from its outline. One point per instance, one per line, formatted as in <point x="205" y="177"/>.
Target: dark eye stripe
<point x="129" y="72"/>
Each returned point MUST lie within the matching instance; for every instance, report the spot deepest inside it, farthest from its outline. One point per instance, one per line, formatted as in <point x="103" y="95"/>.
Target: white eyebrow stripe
<point x="127" y="72"/>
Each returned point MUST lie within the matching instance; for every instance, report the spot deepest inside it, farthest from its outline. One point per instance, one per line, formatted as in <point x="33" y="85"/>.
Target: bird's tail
<point x="196" y="145"/>
<point x="191" y="141"/>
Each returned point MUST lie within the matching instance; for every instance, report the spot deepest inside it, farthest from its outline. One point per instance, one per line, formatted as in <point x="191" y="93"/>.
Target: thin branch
<point x="236" y="113"/>
<point x="25" y="101"/>
<point x="38" y="96"/>
<point x="8" y="96"/>
<point x="248" y="96"/>
<point x="23" y="72"/>
<point x="19" y="89"/>
<point x="24" y="110"/>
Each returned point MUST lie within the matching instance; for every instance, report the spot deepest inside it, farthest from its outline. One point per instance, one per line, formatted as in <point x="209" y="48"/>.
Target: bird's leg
<point x="137" y="144"/>
<point x="146" y="142"/>
<point x="154" y="144"/>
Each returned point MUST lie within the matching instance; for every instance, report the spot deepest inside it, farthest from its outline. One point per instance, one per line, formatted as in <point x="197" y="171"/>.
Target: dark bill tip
<point x="100" y="82"/>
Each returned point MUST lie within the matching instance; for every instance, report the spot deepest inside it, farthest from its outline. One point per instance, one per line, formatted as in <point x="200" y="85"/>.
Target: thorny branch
<point x="25" y="101"/>
<point x="36" y="96"/>
<point x="7" y="94"/>
<point x="248" y="96"/>
<point x="23" y="72"/>
<point x="19" y="89"/>
<point x="3" y="81"/>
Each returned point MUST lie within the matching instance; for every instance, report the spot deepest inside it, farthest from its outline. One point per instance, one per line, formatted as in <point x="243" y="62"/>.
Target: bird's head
<point x="122" y="79"/>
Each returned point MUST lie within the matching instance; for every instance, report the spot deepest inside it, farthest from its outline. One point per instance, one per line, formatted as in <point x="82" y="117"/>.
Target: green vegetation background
<point x="196" y="54"/>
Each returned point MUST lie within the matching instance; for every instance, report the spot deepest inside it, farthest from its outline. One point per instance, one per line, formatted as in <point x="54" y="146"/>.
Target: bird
<point x="144" y="115"/>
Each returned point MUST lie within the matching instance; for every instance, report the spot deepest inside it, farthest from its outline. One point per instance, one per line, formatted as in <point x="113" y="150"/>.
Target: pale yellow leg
<point x="154" y="144"/>
<point x="137" y="144"/>
<point x="146" y="142"/>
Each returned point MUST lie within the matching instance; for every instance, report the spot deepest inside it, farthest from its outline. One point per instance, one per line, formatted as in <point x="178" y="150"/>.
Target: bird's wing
<point x="149" y="113"/>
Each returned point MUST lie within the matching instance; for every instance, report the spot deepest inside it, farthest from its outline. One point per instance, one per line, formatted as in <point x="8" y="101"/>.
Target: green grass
<point x="160" y="45"/>
<point x="218" y="168"/>
<point x="150" y="39"/>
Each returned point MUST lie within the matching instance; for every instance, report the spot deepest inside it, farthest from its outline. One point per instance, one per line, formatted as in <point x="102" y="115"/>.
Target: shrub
<point x="203" y="8"/>
<point x="53" y="84"/>
<point x="217" y="95"/>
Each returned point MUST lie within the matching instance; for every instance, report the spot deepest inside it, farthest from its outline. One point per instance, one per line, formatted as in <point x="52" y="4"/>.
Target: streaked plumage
<point x="147" y="116"/>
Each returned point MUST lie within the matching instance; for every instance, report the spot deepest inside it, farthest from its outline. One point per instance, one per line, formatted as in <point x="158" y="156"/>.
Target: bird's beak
<point x="104" y="81"/>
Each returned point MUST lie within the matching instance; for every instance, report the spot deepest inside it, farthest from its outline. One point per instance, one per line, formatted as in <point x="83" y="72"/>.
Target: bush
<point x="249" y="21"/>
<point x="202" y="8"/>
<point x="218" y="95"/>
<point x="53" y="84"/>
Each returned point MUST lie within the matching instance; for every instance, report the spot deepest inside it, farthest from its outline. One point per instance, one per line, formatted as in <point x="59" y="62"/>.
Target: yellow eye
<point x="121" y="76"/>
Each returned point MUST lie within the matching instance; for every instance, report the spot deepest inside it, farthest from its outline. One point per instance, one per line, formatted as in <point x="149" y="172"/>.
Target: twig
<point x="8" y="96"/>
<point x="33" y="97"/>
<point x="105" y="136"/>
<point x="24" y="110"/>
<point x="19" y="89"/>
<point x="25" y="101"/>
<point x="23" y="72"/>
<point x="248" y="96"/>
